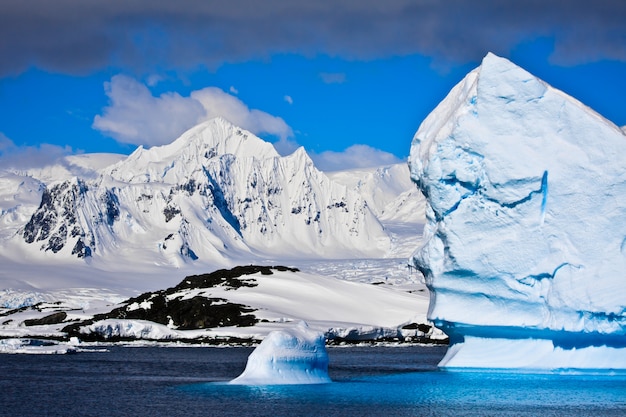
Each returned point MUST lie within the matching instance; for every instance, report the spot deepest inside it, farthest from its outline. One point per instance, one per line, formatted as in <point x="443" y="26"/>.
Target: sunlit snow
<point x="150" y="225"/>
<point x="294" y="355"/>
<point x="525" y="237"/>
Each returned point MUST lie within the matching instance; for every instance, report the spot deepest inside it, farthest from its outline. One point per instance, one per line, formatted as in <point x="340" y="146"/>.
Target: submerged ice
<point x="291" y="356"/>
<point x="525" y="245"/>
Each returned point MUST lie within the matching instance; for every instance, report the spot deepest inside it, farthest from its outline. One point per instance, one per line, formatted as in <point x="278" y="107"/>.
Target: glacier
<point x="295" y="355"/>
<point x="524" y="247"/>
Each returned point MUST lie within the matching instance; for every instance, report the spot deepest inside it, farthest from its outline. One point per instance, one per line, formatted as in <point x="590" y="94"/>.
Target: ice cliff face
<point x="525" y="243"/>
<point x="214" y="192"/>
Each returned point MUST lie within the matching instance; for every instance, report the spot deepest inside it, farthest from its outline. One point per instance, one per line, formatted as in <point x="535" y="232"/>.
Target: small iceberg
<point x="37" y="346"/>
<point x="290" y="356"/>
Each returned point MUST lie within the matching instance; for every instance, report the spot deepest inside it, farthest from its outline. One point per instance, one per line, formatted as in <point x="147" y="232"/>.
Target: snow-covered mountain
<point x="93" y="230"/>
<point x="395" y="200"/>
<point x="525" y="242"/>
<point x="217" y="196"/>
<point x="215" y="193"/>
<point x="238" y="305"/>
<point x="387" y="190"/>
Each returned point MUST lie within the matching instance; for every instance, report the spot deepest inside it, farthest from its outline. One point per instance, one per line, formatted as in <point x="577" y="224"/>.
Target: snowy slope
<point x="387" y="190"/>
<point x="96" y="229"/>
<point x="19" y="198"/>
<point x="525" y="240"/>
<point x="395" y="199"/>
<point x="21" y="190"/>
<point x="275" y="298"/>
<point x="272" y="203"/>
<point x="214" y="195"/>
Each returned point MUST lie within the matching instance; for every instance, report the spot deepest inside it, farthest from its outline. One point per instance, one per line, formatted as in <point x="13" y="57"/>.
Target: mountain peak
<point x="207" y="140"/>
<point x="216" y="192"/>
<point x="221" y="137"/>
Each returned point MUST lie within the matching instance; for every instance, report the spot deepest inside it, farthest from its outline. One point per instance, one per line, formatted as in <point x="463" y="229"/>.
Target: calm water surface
<point x="369" y="381"/>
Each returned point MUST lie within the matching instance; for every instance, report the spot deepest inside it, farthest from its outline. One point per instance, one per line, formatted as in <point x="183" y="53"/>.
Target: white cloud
<point x="624" y="129"/>
<point x="216" y="103"/>
<point x="137" y="117"/>
<point x="154" y="79"/>
<point x="233" y="90"/>
<point x="288" y="99"/>
<point x="356" y="156"/>
<point x="25" y="157"/>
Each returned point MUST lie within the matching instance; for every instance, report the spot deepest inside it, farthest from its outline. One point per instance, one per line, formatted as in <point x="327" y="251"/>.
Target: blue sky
<point x="348" y="80"/>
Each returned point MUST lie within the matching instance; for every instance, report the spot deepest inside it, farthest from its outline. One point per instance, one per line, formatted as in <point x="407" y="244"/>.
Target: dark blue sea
<point x="368" y="381"/>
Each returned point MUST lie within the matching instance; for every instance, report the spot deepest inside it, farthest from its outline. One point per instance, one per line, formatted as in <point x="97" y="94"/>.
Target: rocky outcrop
<point x="183" y="307"/>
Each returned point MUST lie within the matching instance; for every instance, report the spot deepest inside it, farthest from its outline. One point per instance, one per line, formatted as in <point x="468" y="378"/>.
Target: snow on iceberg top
<point x="291" y="356"/>
<point x="499" y="98"/>
<point x="526" y="192"/>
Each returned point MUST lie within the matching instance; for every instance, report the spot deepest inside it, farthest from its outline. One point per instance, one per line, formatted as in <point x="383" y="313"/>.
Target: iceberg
<point x="130" y="329"/>
<point x="524" y="250"/>
<point x="37" y="346"/>
<point x="285" y="357"/>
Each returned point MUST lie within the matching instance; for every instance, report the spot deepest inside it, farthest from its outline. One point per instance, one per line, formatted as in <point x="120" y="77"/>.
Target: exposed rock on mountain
<point x="214" y="192"/>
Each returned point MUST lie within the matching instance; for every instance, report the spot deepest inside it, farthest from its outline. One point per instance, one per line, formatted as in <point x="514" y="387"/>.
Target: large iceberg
<point x="525" y="244"/>
<point x="291" y="356"/>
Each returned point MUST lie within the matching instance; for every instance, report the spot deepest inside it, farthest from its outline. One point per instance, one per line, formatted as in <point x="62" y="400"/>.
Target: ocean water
<point x="368" y="381"/>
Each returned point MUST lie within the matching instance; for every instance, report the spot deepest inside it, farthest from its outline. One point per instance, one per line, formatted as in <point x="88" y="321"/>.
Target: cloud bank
<point x="135" y="116"/>
<point x="26" y="157"/>
<point x="356" y="156"/>
<point x="80" y="36"/>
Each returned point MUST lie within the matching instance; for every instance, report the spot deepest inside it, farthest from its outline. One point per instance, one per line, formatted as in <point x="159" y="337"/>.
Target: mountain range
<point x="81" y="239"/>
<point x="216" y="196"/>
